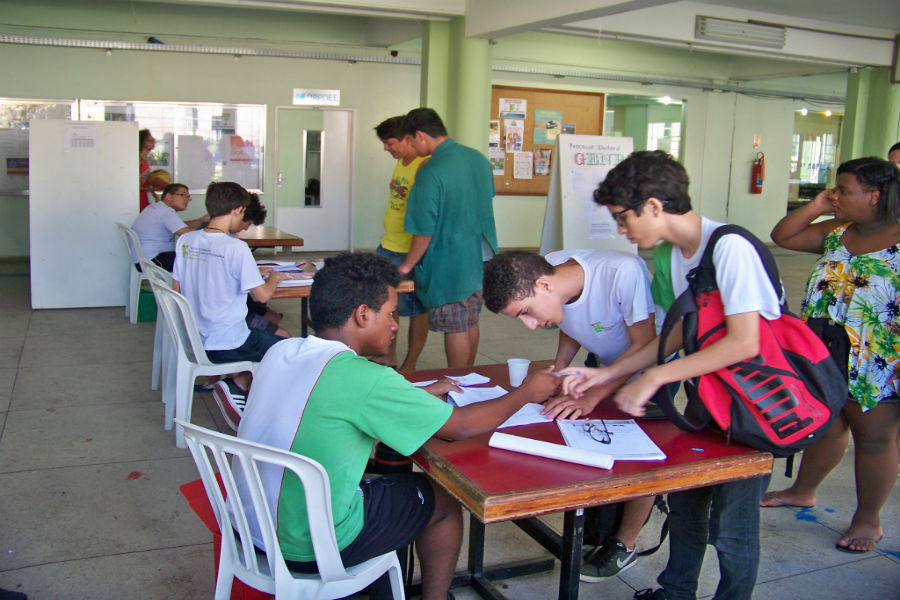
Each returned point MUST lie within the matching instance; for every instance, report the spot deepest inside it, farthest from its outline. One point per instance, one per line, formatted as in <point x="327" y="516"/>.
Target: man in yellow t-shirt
<point x="395" y="242"/>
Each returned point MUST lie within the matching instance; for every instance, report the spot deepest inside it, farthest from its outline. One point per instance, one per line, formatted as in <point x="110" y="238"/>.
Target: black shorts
<point x="397" y="509"/>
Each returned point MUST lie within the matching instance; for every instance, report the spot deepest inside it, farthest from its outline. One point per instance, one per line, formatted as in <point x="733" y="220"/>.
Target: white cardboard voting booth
<point x="83" y="179"/>
<point x="572" y="218"/>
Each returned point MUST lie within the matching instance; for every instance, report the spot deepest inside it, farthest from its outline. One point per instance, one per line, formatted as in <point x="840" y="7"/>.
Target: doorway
<point x="314" y="175"/>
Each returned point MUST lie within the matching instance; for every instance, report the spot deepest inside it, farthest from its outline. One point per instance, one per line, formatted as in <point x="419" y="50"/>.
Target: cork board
<point x="584" y="110"/>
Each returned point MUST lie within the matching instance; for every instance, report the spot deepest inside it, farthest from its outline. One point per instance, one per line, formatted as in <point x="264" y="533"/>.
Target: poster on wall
<point x="494" y="133"/>
<point x="547" y="125"/>
<point x="513" y="108"/>
<point x="572" y="218"/>
<point x="542" y="161"/>
<point x="522" y="165"/>
<point x="497" y="158"/>
<point x="515" y="131"/>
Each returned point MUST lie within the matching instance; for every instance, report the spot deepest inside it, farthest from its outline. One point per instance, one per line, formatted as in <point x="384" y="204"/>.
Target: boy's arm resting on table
<point x="262" y="293"/>
<point x="481" y="417"/>
<point x="416" y="252"/>
<point x="740" y="342"/>
<point x="796" y="231"/>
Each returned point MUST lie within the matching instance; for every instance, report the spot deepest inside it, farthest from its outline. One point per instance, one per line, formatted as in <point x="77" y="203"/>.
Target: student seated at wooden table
<point x="215" y="272"/>
<point x="158" y="225"/>
<point x="259" y="315"/>
<point x="318" y="396"/>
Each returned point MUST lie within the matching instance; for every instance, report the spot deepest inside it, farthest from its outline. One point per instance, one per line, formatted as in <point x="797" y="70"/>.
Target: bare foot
<point x="787" y="498"/>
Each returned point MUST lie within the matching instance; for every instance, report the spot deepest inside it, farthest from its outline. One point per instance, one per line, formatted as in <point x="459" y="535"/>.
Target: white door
<point x="313" y="193"/>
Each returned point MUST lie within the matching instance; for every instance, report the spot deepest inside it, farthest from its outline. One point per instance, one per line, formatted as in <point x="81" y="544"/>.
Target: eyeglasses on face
<point x="182" y="194"/>
<point x="619" y="216"/>
<point x="599" y="433"/>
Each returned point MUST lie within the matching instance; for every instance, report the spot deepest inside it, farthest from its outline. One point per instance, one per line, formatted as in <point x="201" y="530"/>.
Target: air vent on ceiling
<point x="739" y="32"/>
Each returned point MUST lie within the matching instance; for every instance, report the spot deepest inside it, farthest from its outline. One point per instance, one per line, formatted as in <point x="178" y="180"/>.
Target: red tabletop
<point x="497" y="484"/>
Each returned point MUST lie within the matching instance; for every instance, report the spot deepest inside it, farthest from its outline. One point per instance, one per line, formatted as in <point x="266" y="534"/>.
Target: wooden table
<point x="498" y="485"/>
<point x="263" y="236"/>
<point x="302" y="292"/>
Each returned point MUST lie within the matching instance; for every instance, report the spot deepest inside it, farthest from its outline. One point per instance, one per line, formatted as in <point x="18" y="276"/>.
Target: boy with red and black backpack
<point x="647" y="195"/>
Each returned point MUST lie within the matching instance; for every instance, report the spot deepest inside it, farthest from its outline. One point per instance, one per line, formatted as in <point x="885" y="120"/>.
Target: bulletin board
<point x="577" y="112"/>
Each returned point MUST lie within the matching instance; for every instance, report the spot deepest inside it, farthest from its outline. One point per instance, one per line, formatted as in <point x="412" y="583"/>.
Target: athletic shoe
<point x="650" y="594"/>
<point x="606" y="560"/>
<point x="231" y="399"/>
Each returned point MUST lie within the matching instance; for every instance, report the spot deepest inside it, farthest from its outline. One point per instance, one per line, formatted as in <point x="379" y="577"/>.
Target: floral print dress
<point x="863" y="294"/>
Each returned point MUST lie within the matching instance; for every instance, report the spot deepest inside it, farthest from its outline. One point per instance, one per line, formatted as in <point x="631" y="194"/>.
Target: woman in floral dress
<point x="853" y="302"/>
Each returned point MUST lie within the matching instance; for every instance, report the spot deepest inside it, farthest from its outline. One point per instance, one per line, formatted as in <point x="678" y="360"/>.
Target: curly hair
<point x="510" y="276"/>
<point x="643" y="175"/>
<point x="256" y="212"/>
<point x="346" y="282"/>
<point x="876" y="174"/>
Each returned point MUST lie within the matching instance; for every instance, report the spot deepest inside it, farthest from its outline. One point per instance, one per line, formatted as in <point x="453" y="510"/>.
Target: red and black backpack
<point x="783" y="399"/>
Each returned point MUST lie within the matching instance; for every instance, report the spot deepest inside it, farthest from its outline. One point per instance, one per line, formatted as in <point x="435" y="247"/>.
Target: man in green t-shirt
<point x="318" y="396"/>
<point x="451" y="217"/>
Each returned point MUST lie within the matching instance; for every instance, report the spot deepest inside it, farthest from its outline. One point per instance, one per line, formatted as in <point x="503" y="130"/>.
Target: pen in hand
<point x="564" y="373"/>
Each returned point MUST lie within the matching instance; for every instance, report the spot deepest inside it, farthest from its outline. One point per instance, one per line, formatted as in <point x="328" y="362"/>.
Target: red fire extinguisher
<point x="758" y="174"/>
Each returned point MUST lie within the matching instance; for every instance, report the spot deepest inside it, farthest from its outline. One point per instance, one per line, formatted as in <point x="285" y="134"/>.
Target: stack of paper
<point x="547" y="450"/>
<point x="295" y="279"/>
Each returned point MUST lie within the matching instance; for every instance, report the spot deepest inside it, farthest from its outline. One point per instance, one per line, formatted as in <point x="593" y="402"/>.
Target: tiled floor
<point x="89" y="502"/>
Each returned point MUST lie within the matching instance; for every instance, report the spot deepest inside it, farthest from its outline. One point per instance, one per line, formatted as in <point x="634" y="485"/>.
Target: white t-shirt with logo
<point x="740" y="275"/>
<point x="215" y="272"/>
<point x="155" y="226"/>
<point x="616" y="295"/>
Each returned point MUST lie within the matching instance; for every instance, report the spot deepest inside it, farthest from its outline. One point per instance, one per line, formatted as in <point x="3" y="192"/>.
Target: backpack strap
<point x="765" y="257"/>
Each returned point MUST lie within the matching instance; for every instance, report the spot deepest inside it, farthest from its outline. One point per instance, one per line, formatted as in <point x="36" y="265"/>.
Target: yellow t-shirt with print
<point x="395" y="238"/>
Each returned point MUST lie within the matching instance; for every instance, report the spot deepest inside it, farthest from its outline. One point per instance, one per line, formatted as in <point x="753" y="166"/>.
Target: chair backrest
<point x="154" y="271"/>
<point x="132" y="242"/>
<point x="226" y="452"/>
<point x="181" y="321"/>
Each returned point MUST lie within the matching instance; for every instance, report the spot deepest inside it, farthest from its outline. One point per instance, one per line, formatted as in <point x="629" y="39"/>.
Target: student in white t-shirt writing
<point x="215" y="272"/>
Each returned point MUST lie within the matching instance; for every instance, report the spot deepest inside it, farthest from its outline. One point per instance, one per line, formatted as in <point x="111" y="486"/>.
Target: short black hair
<point x="224" y="197"/>
<point x="894" y="147"/>
<point x="510" y="276"/>
<point x="643" y="175"/>
<point x="425" y="120"/>
<point x="390" y="128"/>
<point x="256" y="212"/>
<point x="346" y="282"/>
<point x="172" y="188"/>
<point x="878" y="174"/>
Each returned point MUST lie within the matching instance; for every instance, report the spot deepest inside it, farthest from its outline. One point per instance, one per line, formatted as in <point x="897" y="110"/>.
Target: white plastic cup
<point x="518" y="369"/>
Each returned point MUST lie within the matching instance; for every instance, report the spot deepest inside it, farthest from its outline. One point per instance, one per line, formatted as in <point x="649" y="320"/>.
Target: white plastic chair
<point x="267" y="571"/>
<point x="190" y="360"/>
<point x="162" y="341"/>
<point x="135" y="254"/>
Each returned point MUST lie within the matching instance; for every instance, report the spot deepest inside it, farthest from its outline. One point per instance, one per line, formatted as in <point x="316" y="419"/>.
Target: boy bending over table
<point x="600" y="299"/>
<point x="318" y="396"/>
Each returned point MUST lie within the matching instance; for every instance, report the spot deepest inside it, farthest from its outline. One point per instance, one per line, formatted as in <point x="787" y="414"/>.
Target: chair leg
<point x="184" y="398"/>
<point x="158" y="350"/>
<point x="224" y="578"/>
<point x="135" y="291"/>
<point x="396" y="577"/>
